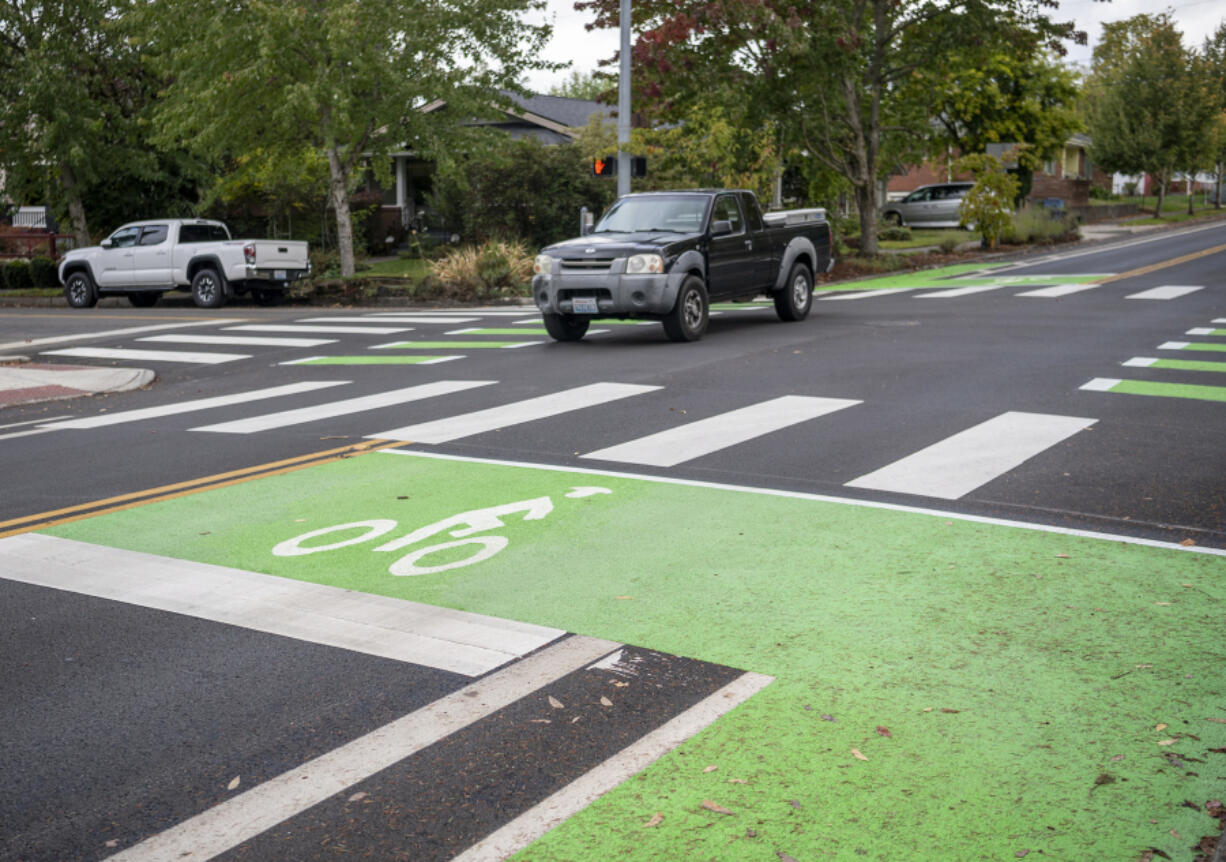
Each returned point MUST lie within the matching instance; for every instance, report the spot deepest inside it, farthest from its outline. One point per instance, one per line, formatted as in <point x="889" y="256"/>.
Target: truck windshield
<point x="680" y="214"/>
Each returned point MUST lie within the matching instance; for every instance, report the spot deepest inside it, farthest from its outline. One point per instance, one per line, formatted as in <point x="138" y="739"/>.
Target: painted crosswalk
<point x="316" y="327"/>
<point x="239" y="340"/>
<point x="137" y="355"/>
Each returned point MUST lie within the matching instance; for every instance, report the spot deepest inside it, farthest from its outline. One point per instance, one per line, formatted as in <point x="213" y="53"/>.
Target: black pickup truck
<point x="665" y="255"/>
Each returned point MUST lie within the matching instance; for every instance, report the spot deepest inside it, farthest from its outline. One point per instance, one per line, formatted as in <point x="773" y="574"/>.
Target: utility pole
<point x="623" y="105"/>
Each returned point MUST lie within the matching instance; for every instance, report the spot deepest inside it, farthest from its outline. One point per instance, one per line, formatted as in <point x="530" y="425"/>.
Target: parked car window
<point x="153" y="235"/>
<point x="917" y="196"/>
<point x="202" y="233"/>
<point x="726" y="209"/>
<point x="753" y="212"/>
<point x="125" y="237"/>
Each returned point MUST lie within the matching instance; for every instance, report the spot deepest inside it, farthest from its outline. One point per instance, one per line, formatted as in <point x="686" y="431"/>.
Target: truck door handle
<point x="749" y="244"/>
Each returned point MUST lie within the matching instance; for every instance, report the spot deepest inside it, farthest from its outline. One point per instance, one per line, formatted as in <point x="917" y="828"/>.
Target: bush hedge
<point x="20" y="274"/>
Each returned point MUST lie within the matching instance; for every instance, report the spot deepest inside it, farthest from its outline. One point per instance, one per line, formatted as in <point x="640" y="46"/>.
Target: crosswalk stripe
<point x="953" y="467"/>
<point x="475" y="312"/>
<point x="330" y="409"/>
<point x="453" y="345"/>
<point x="1185" y="365"/>
<point x="147" y="355"/>
<point x="862" y="294"/>
<point x="954" y="293"/>
<point x="248" y="340"/>
<point x="515" y="413"/>
<point x="366" y="359"/>
<point x="695" y="439"/>
<point x="1194" y="391"/>
<point x="400" y="318"/>
<point x="307" y="327"/>
<point x="104" y="419"/>
<point x="477" y="330"/>
<point x="106" y="333"/>
<point x="1204" y="346"/>
<point x="1058" y="290"/>
<point x="1166" y="291"/>
<point x="1205" y="330"/>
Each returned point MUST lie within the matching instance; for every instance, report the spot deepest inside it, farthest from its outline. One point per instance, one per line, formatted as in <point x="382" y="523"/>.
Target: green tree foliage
<point x="1214" y="52"/>
<point x="517" y="190"/>
<point x="591" y="86"/>
<point x="74" y="98"/>
<point x="350" y="78"/>
<point x="987" y="207"/>
<point x="1146" y="101"/>
<point x="832" y="75"/>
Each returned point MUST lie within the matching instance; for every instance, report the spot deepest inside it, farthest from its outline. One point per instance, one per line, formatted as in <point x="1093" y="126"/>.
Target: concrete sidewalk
<point x="23" y="382"/>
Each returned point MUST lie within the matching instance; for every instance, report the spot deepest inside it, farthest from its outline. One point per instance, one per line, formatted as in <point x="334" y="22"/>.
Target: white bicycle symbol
<point x="462" y="527"/>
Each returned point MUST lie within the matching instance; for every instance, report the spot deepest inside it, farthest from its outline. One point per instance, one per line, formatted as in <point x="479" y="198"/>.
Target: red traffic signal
<point x="607" y="167"/>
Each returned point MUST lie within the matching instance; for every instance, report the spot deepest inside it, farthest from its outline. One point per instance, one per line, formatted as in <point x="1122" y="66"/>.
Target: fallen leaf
<point x="796" y="804"/>
<point x="1160" y="727"/>
<point x="233" y="783"/>
<point x="114" y="842"/>
<point x="1163" y="604"/>
<point x="1218" y="720"/>
<point x="1019" y="854"/>
<point x="1062" y="556"/>
<point x="575" y="719"/>
<point x="948" y="710"/>
<point x="617" y="684"/>
<point x="1167" y="741"/>
<point x="624" y="598"/>
<point x="539" y="721"/>
<point x="827" y="717"/>
<point x="1173" y="832"/>
<point x="714" y="806"/>
<point x="604" y="701"/>
<point x="555" y="703"/>
<point x="884" y="731"/>
<point x="858" y="755"/>
<point x="1187" y="543"/>
<point x="1118" y="757"/>
<point x="711" y="768"/>
<point x="358" y="797"/>
<point x="1144" y="665"/>
<point x="656" y="820"/>
<point x="783" y="857"/>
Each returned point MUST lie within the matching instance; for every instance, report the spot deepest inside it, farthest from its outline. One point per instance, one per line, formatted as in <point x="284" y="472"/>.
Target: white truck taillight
<point x="249" y="253"/>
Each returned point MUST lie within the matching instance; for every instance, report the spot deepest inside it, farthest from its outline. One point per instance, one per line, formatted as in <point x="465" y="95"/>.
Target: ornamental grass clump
<point x="497" y="269"/>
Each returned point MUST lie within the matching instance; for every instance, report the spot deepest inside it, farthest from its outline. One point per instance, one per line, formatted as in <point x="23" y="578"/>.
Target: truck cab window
<point x="726" y="209"/>
<point x="153" y="235"/>
<point x="125" y="238"/>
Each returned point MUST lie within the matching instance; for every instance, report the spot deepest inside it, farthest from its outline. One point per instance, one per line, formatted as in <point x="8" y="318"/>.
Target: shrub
<point x="43" y="272"/>
<point x="1035" y="225"/>
<point x="894" y="234"/>
<point x="950" y="244"/>
<point x="17" y="275"/>
<point x="498" y="268"/>
<point x="986" y="206"/>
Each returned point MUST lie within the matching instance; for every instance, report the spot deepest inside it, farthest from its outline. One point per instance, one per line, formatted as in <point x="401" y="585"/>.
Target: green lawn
<point x="923" y="238"/>
<point x="401" y="267"/>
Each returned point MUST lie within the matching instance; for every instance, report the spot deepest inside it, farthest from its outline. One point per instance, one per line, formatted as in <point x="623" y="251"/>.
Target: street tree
<point x="831" y="74"/>
<point x="1214" y="53"/>
<point x="347" y="77"/>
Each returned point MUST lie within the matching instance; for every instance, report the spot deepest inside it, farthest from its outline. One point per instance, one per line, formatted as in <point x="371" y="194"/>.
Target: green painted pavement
<point x="1203" y="346"/>
<point x="371" y="360"/>
<point x="1005" y="684"/>
<point x="519" y="330"/>
<point x="1189" y="365"/>
<point x="450" y="345"/>
<point x="1170" y="390"/>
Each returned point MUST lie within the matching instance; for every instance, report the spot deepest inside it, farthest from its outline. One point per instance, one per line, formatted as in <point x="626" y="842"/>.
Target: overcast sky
<point x="571" y="43"/>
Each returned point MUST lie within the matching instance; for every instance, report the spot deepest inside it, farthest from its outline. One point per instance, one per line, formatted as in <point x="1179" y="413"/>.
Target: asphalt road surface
<point x="1076" y="392"/>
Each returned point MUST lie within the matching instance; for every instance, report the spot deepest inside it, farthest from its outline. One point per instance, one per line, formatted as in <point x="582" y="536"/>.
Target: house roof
<point x="556" y="113"/>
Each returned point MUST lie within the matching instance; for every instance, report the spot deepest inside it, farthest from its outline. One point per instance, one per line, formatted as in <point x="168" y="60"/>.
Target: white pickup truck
<point x="144" y="259"/>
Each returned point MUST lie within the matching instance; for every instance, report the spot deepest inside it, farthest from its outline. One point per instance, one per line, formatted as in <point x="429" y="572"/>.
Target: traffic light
<point x="607" y="167"/>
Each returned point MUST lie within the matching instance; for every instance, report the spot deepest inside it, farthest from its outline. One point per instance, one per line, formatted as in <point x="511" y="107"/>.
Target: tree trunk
<point x="866" y="203"/>
<point x="338" y="193"/>
<point x="1162" y="180"/>
<point x="1191" y="176"/>
<point x="1221" y="170"/>
<point x="76" y="209"/>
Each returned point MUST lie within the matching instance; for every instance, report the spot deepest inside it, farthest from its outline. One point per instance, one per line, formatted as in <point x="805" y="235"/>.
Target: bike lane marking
<point x="1000" y="658"/>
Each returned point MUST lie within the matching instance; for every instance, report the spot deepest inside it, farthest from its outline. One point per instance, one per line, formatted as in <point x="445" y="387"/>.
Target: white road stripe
<point x="248" y="340"/>
<point x="1101" y="384"/>
<point x="242" y="817"/>
<point x="1168" y="291"/>
<point x="42" y="421"/>
<point x="454" y="641"/>
<point x="960" y="291"/>
<point x="1201" y="330"/>
<point x="862" y="294"/>
<point x="632" y="759"/>
<point x="330" y="409"/>
<point x="147" y="355"/>
<point x="399" y="318"/>
<point x="957" y="465"/>
<point x="1140" y="362"/>
<point x="106" y="333"/>
<point x="1059" y="290"/>
<point x="468" y="424"/>
<point x="477" y="312"/>
<point x="174" y="408"/>
<point x="340" y="330"/>
<point x="695" y="439"/>
<point x="1174" y="345"/>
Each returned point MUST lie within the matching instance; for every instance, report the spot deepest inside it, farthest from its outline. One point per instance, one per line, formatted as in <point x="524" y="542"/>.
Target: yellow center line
<point x="191" y="486"/>
<point x="1154" y="267"/>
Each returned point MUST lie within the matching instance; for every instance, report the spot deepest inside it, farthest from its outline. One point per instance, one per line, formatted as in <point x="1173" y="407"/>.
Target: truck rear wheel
<point x="794" y="301"/>
<point x="565" y="327"/>
<point x="80" y="291"/>
<point x="208" y="290"/>
<point x="688" y="319"/>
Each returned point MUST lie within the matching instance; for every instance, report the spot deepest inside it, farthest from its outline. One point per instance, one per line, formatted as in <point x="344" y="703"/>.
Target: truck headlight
<point x="644" y="264"/>
<point x="543" y="264"/>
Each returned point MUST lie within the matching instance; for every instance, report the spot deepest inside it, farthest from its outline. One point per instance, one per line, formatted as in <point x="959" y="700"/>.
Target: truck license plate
<point x="584" y="305"/>
<point x="278" y="274"/>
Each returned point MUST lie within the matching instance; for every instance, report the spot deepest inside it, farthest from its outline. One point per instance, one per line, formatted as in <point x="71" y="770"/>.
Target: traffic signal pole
<point x="623" y="105"/>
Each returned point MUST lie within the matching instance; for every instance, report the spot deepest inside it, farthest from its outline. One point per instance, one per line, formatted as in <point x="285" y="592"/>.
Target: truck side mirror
<point x="721" y="227"/>
<point x="106" y="243"/>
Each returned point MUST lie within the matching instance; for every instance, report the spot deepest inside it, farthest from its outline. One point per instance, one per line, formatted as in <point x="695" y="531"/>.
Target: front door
<point x="730" y="260"/>
<point x="151" y="256"/>
<point x="114" y="264"/>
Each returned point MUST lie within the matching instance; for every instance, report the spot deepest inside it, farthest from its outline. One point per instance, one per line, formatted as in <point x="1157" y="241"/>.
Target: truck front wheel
<point x="688" y="319"/>
<point x="80" y="291"/>
<point x="565" y="327"/>
<point x="208" y="290"/>
<point x="796" y="298"/>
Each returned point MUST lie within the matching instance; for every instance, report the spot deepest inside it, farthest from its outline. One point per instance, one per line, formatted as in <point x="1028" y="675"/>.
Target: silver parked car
<point x="937" y="205"/>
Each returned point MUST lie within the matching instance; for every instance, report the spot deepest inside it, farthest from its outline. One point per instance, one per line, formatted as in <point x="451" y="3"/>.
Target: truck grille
<point x="587" y="264"/>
